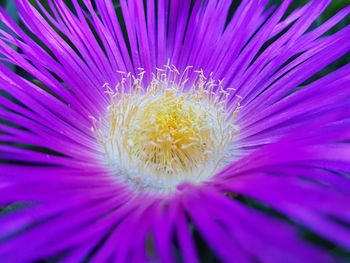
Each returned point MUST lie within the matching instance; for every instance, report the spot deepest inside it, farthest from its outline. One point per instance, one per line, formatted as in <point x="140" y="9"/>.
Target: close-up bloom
<point x="174" y="131"/>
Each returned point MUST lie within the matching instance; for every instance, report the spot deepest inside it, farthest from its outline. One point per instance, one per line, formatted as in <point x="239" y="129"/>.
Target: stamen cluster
<point x="168" y="131"/>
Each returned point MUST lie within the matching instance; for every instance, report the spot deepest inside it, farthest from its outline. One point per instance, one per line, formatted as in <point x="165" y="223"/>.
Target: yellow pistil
<point x="168" y="132"/>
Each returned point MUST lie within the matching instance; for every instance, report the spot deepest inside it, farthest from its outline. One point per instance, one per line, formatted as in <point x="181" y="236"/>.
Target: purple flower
<point x="130" y="136"/>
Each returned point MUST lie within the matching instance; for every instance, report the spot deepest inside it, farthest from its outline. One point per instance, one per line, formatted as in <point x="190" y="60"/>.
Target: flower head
<point x="139" y="131"/>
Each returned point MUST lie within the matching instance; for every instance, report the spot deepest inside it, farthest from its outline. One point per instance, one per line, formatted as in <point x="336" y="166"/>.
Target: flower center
<point x="172" y="134"/>
<point x="168" y="132"/>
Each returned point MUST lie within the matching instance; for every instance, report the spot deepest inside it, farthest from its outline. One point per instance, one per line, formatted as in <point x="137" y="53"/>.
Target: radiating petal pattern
<point x="292" y="152"/>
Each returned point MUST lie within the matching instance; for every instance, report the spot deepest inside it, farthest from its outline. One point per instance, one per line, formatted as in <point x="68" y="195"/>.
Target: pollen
<point x="171" y="135"/>
<point x="168" y="131"/>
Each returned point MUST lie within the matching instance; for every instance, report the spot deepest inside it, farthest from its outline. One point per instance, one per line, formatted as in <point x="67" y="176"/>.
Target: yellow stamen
<point x="167" y="131"/>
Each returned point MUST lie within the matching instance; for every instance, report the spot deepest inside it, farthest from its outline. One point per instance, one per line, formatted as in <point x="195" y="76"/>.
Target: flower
<point x="131" y="136"/>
